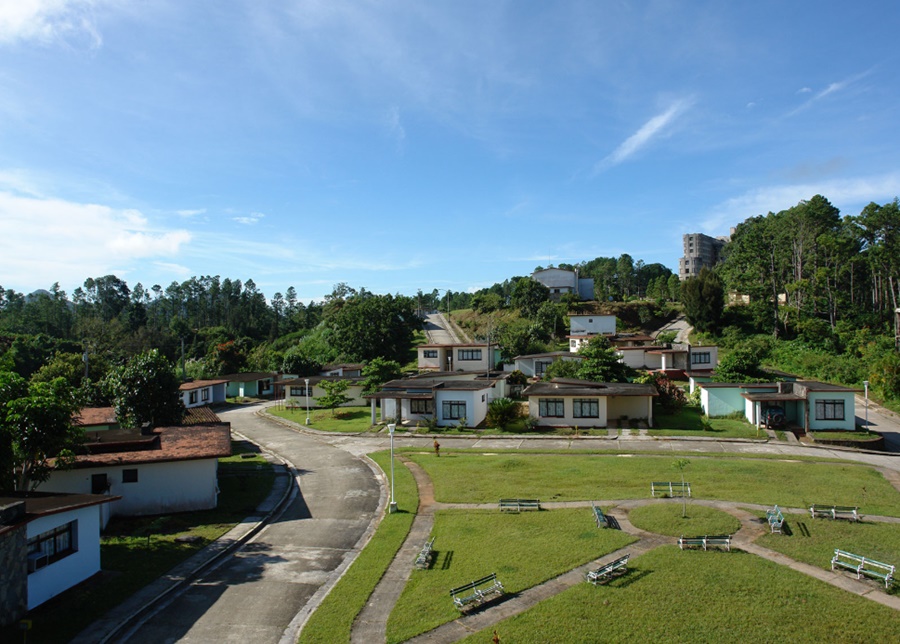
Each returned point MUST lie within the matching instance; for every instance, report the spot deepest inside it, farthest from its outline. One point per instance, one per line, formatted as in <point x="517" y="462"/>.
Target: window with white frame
<point x="55" y="544"/>
<point x="204" y="394"/>
<point x="469" y="354"/>
<point x="453" y="409"/>
<point x="421" y="407"/>
<point x="300" y="392"/>
<point x="829" y="410"/>
<point x="586" y="408"/>
<point x="540" y="366"/>
<point x="700" y="357"/>
<point x="551" y="408"/>
<point x="429" y="353"/>
<point x="192" y="397"/>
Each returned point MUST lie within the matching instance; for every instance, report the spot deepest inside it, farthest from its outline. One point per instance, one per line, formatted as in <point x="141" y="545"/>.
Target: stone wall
<point x="14" y="564"/>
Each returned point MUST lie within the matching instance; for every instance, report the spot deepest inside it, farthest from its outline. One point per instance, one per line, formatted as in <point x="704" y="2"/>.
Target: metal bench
<point x="863" y="566"/>
<point x="599" y="517"/>
<point x="610" y="570"/>
<point x="775" y="519"/>
<point x="476" y="592"/>
<point x="669" y="488"/>
<point x="834" y="511"/>
<point x="424" y="558"/>
<point x="518" y="505"/>
<point x="705" y="542"/>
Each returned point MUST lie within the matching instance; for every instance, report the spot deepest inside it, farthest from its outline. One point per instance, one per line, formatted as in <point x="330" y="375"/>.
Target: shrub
<point x="503" y="412"/>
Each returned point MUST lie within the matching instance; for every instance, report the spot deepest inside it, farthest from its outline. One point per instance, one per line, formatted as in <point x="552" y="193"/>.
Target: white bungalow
<point x="197" y="393"/>
<point x="296" y="393"/>
<point x="457" y="357"/>
<point x="535" y="364"/>
<point x="563" y="402"/>
<point x="447" y="400"/>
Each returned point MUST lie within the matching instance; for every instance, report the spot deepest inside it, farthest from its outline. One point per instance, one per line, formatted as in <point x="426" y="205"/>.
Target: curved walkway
<point x="370" y="625"/>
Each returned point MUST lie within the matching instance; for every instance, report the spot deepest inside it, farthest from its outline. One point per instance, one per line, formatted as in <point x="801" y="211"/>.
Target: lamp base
<point x="393" y="507"/>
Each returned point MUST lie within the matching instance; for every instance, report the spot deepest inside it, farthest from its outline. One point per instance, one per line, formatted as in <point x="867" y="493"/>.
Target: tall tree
<point x="145" y="391"/>
<point x="704" y="300"/>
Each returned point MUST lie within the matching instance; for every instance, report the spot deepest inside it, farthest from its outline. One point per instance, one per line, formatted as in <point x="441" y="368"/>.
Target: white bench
<point x="424" y="558"/>
<point x="518" y="505"/>
<point x="610" y="570"/>
<point x="599" y="517"/>
<point x="476" y="592"/>
<point x="670" y="488"/>
<point x="720" y="541"/>
<point x="863" y="566"/>
<point x="775" y="519"/>
<point x="834" y="511"/>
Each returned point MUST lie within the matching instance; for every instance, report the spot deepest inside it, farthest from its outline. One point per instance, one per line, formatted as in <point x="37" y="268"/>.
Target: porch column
<point x="372" y="403"/>
<point x="649" y="411"/>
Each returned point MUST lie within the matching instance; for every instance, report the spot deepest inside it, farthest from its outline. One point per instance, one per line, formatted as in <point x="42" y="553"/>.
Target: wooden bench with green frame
<point x="476" y="592"/>
<point x="601" y="519"/>
<point x="423" y="560"/>
<point x="775" y="519"/>
<point x="863" y="566"/>
<point x="720" y="541"/>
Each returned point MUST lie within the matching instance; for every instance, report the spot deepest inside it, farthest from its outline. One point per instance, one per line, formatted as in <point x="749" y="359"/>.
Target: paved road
<point x="438" y="330"/>
<point x="881" y="420"/>
<point x="256" y="595"/>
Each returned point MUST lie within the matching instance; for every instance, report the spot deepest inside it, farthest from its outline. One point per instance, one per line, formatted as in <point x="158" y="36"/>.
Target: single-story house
<point x="682" y="358"/>
<point x="647" y="357"/>
<point x="295" y="390"/>
<point x="250" y="385"/>
<point x="343" y="370"/>
<point x="167" y="469"/>
<point x="564" y="402"/>
<point x="809" y="404"/>
<point x="49" y="542"/>
<point x="449" y="401"/>
<point x="97" y="419"/>
<point x="501" y="388"/>
<point x="618" y="340"/>
<point x="197" y="393"/>
<point x="535" y="364"/>
<point x="592" y="324"/>
<point x="457" y="357"/>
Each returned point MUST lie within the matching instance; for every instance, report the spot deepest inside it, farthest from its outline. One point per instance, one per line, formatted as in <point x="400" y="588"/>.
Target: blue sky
<point x="439" y="144"/>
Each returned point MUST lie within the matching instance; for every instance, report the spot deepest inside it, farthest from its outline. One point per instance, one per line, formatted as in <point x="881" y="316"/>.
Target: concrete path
<point x="438" y="329"/>
<point x="265" y="591"/>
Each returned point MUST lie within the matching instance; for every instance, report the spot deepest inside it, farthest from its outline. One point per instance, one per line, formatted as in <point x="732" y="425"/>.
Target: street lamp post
<point x="866" y="385"/>
<point x="306" y="380"/>
<point x="391" y="427"/>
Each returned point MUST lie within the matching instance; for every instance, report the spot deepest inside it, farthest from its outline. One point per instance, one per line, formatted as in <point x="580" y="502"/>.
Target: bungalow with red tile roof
<point x="197" y="393"/>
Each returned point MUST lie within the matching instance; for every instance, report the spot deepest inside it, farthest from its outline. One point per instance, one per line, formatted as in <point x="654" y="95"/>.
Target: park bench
<point x="424" y="558"/>
<point x="775" y="519"/>
<point x="476" y="592"/>
<point x="863" y="566"/>
<point x="705" y="542"/>
<point x="517" y="505"/>
<point x="610" y="570"/>
<point x="670" y="488"/>
<point x="602" y="521"/>
<point x="834" y="511"/>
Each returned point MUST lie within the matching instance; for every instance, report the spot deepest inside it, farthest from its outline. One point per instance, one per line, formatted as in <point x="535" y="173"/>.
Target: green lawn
<point x="130" y="560"/>
<point x="466" y="477"/>
<point x="344" y="419"/>
<point x="523" y="549"/>
<point x="666" y="518"/>
<point x="813" y="541"/>
<point x="695" y="596"/>
<point x="333" y="619"/>
<point x="689" y="422"/>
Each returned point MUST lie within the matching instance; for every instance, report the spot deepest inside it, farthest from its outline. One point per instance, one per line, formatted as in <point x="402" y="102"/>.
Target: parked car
<point x="774" y="418"/>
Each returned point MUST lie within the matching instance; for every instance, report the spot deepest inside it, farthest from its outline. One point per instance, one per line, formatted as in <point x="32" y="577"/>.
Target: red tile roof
<point x="199" y="384"/>
<point x="96" y="416"/>
<point x="175" y="444"/>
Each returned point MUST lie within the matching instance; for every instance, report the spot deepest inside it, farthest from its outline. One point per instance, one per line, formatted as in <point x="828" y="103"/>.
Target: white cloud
<point x="849" y="195"/>
<point x="832" y="88"/>
<point x="395" y="126"/>
<point x="49" y="21"/>
<point x="647" y="132"/>
<point x="249" y="220"/>
<point x="191" y="213"/>
<point x="46" y="240"/>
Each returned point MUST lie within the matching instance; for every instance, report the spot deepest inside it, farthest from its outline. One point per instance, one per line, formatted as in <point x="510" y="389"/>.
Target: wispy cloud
<point x="843" y="193"/>
<point x="646" y="133"/>
<point x="76" y="239"/>
<point x="191" y="213"/>
<point x="50" y="21"/>
<point x="395" y="126"/>
<point x="249" y="220"/>
<point x="832" y="88"/>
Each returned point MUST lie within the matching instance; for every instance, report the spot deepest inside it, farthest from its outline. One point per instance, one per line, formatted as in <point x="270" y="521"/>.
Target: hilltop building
<point x="699" y="250"/>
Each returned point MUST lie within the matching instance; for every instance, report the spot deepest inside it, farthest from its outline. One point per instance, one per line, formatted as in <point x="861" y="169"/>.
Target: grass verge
<point x="523" y="549"/>
<point x="334" y="617"/>
<point x="485" y="477"/>
<point x="694" y="596"/>
<point x="345" y="419"/>
<point x="665" y="518"/>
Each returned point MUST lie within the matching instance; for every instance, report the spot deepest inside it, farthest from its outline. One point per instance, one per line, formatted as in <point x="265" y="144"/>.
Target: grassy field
<point x="695" y="596"/>
<point x="333" y="619"/>
<point x="813" y="541"/>
<point x="523" y="549"/>
<point x="344" y="419"/>
<point x="486" y="477"/>
<point x="689" y="422"/>
<point x="135" y="551"/>
<point x="665" y="518"/>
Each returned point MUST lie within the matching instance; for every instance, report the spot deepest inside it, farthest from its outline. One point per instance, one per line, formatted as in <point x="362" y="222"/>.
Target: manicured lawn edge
<point x="333" y="619"/>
